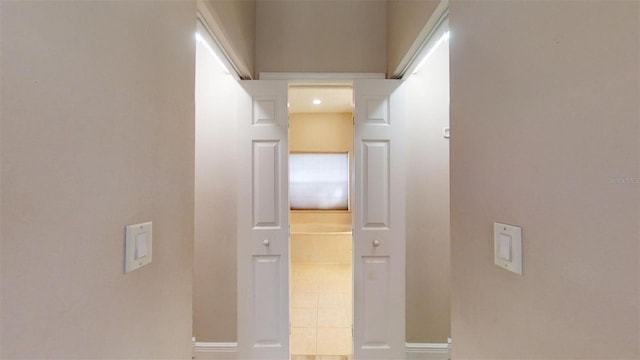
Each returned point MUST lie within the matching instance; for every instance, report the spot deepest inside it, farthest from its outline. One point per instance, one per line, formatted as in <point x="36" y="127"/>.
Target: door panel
<point x="379" y="221"/>
<point x="263" y="221"/>
<point x="376" y="271"/>
<point x="376" y="184"/>
<point x="266" y="181"/>
<point x="266" y="275"/>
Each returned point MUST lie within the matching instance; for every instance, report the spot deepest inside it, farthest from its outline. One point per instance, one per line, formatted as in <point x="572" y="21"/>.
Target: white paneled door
<point x="263" y="222"/>
<point x="378" y="215"/>
<point x="379" y="221"/>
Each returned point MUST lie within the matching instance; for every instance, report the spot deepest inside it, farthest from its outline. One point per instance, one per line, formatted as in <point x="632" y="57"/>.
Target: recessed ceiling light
<point x="317" y="101"/>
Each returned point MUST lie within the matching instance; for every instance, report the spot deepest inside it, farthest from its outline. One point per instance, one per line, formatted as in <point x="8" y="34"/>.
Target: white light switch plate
<point x="138" y="244"/>
<point x="507" y="247"/>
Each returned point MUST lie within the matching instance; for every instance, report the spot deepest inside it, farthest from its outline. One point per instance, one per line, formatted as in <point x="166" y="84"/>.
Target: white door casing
<point x="379" y="221"/>
<point x="263" y="221"/>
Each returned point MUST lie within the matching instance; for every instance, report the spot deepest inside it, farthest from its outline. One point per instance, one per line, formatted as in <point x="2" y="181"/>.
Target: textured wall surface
<point x="97" y="133"/>
<point x="544" y="135"/>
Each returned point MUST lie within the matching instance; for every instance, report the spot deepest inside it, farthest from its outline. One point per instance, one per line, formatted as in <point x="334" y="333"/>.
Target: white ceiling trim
<point x="304" y="76"/>
<point x="211" y="22"/>
<point x="412" y="57"/>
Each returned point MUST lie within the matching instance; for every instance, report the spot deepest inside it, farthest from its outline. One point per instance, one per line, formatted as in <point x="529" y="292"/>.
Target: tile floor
<point x="321" y="311"/>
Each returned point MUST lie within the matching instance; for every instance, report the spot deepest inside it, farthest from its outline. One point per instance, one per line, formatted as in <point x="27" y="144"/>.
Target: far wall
<point x="321" y="36"/>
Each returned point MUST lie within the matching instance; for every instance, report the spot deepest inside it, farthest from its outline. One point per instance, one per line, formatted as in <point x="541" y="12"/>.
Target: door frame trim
<point x="318" y="76"/>
<point x="323" y="78"/>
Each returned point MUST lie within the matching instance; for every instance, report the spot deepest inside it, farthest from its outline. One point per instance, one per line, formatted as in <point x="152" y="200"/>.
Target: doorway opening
<point x="321" y="241"/>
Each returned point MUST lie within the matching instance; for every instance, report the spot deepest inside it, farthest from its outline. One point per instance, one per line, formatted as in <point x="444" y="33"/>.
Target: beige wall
<point x="321" y="132"/>
<point x="97" y="133"/>
<point x="405" y="21"/>
<point x="427" y="207"/>
<point x="321" y="36"/>
<point x="237" y="21"/>
<point x="323" y="217"/>
<point x="214" y="302"/>
<point x="545" y="135"/>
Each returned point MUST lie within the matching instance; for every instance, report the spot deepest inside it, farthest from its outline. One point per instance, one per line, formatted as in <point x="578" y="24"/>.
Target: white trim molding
<point x="215" y="350"/>
<point x="427" y="351"/>
<point x="411" y="58"/>
<point x="303" y="76"/>
<point x="212" y="22"/>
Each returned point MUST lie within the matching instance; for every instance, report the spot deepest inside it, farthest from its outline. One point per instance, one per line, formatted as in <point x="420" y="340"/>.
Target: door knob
<point x="266" y="242"/>
<point x="376" y="243"/>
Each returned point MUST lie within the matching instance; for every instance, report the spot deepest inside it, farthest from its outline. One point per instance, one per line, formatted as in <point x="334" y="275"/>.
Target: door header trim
<point x="304" y="76"/>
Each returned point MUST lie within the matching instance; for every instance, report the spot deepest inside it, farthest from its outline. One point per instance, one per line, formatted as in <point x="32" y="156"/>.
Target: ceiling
<point x="335" y="98"/>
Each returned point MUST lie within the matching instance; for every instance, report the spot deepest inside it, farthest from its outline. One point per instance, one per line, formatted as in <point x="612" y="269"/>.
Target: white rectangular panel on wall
<point x="263" y="221"/>
<point x="379" y="226"/>
<point x="266" y="307"/>
<point x="266" y="183"/>
<point x="375" y="282"/>
<point x="375" y="184"/>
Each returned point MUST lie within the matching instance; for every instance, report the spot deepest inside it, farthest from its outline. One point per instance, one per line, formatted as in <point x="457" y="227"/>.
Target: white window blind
<point x="319" y="181"/>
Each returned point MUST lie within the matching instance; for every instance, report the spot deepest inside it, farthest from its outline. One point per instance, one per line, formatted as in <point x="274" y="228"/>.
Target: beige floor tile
<point x="335" y="317"/>
<point x="304" y="357"/>
<point x="332" y="300"/>
<point x="304" y="317"/>
<point x="334" y="285"/>
<point x="305" y="285"/>
<point x="334" y="341"/>
<point x="304" y="299"/>
<point x="305" y="271"/>
<point x="335" y="281"/>
<point x="303" y="341"/>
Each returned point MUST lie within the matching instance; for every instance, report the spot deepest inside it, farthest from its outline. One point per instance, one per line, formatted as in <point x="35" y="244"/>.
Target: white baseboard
<point x="228" y="351"/>
<point x="427" y="351"/>
<point x="215" y="350"/>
